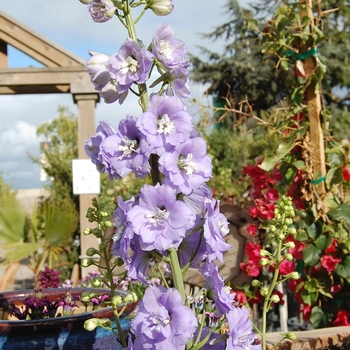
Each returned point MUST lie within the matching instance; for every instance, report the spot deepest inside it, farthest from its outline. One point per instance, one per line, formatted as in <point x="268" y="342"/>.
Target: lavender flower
<point x="215" y="289"/>
<point x="168" y="50"/>
<point x="132" y="64"/>
<point x="178" y="82"/>
<point x="124" y="233"/>
<point x="215" y="228"/>
<point x="92" y="146"/>
<point x="187" y="167"/>
<point x="97" y="69"/>
<point x="112" y="92"/>
<point x="162" y="321"/>
<point x="101" y="10"/>
<point x="160" y="220"/>
<point x="241" y="335"/>
<point x="125" y="151"/>
<point x="166" y="123"/>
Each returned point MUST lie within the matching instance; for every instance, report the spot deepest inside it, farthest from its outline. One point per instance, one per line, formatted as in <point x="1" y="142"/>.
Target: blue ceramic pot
<point x="59" y="333"/>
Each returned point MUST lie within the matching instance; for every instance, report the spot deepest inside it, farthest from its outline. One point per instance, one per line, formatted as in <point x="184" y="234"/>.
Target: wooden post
<point x="317" y="153"/>
<point x="86" y="101"/>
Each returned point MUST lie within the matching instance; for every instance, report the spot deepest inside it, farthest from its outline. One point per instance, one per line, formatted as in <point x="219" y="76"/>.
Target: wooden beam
<point x="35" y="45"/>
<point x="43" y="80"/>
<point x="3" y="54"/>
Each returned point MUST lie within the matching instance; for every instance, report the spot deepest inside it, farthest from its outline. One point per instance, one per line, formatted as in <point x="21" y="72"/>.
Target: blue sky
<point x="67" y="23"/>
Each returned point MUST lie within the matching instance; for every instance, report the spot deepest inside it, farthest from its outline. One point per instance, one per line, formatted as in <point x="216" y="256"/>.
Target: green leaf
<point x="283" y="149"/>
<point x="323" y="242"/>
<point x="343" y="268"/>
<point x="299" y="164"/>
<point x="309" y="298"/>
<point x="317" y="316"/>
<point x="341" y="213"/>
<point x="311" y="255"/>
<point x="312" y="231"/>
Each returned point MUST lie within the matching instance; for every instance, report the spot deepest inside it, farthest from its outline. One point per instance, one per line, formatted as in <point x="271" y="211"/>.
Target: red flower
<point x="293" y="284"/>
<point x="332" y="247"/>
<point x="306" y="311"/>
<point x="253" y="251"/>
<point x="252" y="230"/>
<point x="240" y="297"/>
<point x="251" y="269"/>
<point x="287" y="267"/>
<point x="271" y="195"/>
<point x="329" y="262"/>
<point x="277" y="292"/>
<point x="342" y="319"/>
<point x="262" y="210"/>
<point x="346" y="173"/>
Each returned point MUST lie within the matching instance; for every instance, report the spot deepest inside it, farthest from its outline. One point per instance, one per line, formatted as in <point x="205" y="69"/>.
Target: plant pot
<point x="59" y="333"/>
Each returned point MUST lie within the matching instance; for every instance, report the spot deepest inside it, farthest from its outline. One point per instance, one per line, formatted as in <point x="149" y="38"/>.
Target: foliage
<point x="310" y="166"/>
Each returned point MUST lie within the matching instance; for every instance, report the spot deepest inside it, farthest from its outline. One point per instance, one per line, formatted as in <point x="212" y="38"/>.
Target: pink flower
<point x="287" y="267"/>
<point x="252" y="230"/>
<point x="329" y="262"/>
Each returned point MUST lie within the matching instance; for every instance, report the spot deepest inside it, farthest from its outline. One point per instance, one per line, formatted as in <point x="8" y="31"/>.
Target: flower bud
<point x="117" y="300"/>
<point x="264" y="261"/>
<point x="288" y="256"/>
<point x="91" y="251"/>
<point x="264" y="291"/>
<point x="263" y="253"/>
<point x="275" y="298"/>
<point x="86" y="262"/>
<point x="85" y="2"/>
<point x="292" y="231"/>
<point x="272" y="228"/>
<point x="256" y="283"/>
<point x="290" y="245"/>
<point x="291" y="336"/>
<point x="130" y="298"/>
<point x="108" y="223"/>
<point x="288" y="221"/>
<point x="91" y="324"/>
<point x="160" y="7"/>
<point x="293" y="275"/>
<point x="87" y="231"/>
<point x="97" y="282"/>
<point x="86" y="297"/>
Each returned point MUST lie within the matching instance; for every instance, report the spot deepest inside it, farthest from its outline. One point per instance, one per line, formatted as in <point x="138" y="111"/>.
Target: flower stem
<point x="267" y="301"/>
<point x="177" y="273"/>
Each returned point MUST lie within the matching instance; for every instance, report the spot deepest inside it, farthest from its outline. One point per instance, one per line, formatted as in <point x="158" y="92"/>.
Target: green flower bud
<point x="130" y="298"/>
<point x="288" y="221"/>
<point x="291" y="336"/>
<point x="288" y="256"/>
<point x="91" y="324"/>
<point x="278" y="217"/>
<point x="86" y="262"/>
<point x="292" y="231"/>
<point x="264" y="291"/>
<point x="293" y="275"/>
<point x="97" y="282"/>
<point x="104" y="214"/>
<point x="272" y="228"/>
<point x="264" y="261"/>
<point x="275" y="298"/>
<point x="290" y="245"/>
<point x="256" y="283"/>
<point x="119" y="262"/>
<point x="86" y="297"/>
<point x="263" y="253"/>
<point x="87" y="231"/>
<point x="91" y="251"/>
<point x="108" y="223"/>
<point x="117" y="300"/>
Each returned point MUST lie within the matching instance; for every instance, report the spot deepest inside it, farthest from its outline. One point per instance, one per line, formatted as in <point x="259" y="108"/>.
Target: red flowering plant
<point x="313" y="169"/>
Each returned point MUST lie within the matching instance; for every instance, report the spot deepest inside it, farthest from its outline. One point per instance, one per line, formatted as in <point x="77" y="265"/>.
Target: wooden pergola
<point x="64" y="72"/>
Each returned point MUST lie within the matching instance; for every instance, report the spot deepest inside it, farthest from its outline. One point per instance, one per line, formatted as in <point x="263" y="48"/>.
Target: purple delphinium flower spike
<point x="132" y="64"/>
<point x="162" y="321"/>
<point x="98" y="72"/>
<point x="160" y="219"/>
<point x="241" y="335"/>
<point x="92" y="145"/>
<point x="125" y="151"/>
<point x="178" y="82"/>
<point x="215" y="229"/>
<point x="187" y="167"/>
<point x="168" y="50"/>
<point x="101" y="10"/>
<point x="216" y="290"/>
<point x="166" y="123"/>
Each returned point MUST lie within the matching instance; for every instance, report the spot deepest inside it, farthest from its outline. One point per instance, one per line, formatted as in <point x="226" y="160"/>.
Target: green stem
<point x="177" y="273"/>
<point x="267" y="302"/>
